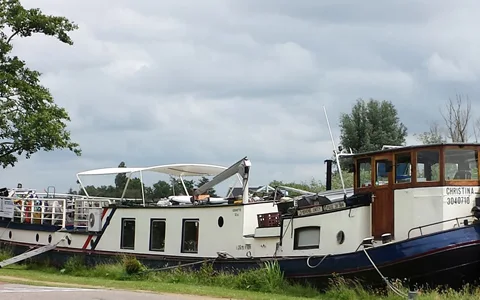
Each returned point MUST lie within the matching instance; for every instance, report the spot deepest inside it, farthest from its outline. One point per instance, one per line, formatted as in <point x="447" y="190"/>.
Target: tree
<point x="161" y="189"/>
<point x="204" y="180"/>
<point x="371" y="125"/>
<point x="177" y="186"/>
<point x="30" y="120"/>
<point x="347" y="180"/>
<point x="314" y="186"/>
<point x="457" y="118"/>
<point x="476" y="130"/>
<point x="121" y="178"/>
<point x="434" y="136"/>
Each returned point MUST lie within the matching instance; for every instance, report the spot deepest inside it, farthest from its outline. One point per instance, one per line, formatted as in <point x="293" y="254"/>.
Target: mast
<point x="336" y="153"/>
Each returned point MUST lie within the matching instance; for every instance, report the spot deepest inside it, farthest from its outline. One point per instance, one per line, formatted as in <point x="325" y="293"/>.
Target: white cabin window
<point x="307" y="238"/>
<point x="157" y="234"/>
<point x="128" y="234"/>
<point x="190" y="236"/>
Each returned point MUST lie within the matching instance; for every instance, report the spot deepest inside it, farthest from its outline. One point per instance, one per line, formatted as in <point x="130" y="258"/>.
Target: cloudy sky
<point x="159" y="82"/>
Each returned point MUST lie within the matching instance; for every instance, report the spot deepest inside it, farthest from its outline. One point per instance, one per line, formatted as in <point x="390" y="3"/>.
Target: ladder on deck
<point x="29" y="254"/>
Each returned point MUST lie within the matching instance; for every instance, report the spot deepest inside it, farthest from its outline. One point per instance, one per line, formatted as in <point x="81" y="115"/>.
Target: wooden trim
<point x="414" y="151"/>
<point x="428" y="183"/>
<point x="403" y="185"/>
<point x="442" y="166"/>
<point x="388" y="156"/>
<point x="463" y="182"/>
<point x="417" y="148"/>
<point x="467" y="182"/>
<point x="357" y="174"/>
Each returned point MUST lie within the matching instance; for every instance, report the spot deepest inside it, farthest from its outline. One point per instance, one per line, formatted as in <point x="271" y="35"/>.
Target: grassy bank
<point x="266" y="283"/>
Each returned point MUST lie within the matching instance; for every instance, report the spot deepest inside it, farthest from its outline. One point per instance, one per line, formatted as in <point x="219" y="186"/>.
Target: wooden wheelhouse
<point x="392" y="169"/>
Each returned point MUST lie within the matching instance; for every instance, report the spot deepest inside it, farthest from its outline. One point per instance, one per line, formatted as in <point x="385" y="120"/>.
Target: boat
<point x="412" y="214"/>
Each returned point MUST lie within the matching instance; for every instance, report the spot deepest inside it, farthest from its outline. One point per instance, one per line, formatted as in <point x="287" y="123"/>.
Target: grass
<point x="266" y="283"/>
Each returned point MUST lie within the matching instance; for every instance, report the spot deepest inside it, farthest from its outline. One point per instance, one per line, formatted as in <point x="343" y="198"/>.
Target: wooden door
<point x="382" y="206"/>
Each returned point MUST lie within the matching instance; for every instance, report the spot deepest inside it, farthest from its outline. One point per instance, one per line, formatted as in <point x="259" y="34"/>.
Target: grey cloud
<point x="180" y="81"/>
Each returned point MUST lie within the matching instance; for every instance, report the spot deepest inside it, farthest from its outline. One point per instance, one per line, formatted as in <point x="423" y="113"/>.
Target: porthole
<point x="49" y="238"/>
<point x="340" y="237"/>
<point x="220" y="221"/>
<point x="10" y="234"/>
<point x="37" y="237"/>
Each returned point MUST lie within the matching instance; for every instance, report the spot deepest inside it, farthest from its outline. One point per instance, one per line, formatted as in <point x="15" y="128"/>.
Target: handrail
<point x="437" y="223"/>
<point x="50" y="211"/>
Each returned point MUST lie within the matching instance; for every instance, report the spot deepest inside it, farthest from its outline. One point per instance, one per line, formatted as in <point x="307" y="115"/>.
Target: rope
<point x="178" y="266"/>
<point x="281" y="238"/>
<point x="313" y="267"/>
<point x="389" y="284"/>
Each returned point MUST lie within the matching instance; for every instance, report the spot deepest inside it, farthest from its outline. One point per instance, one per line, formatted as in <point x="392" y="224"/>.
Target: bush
<point x="132" y="265"/>
<point x="75" y="265"/>
<point x="5" y="254"/>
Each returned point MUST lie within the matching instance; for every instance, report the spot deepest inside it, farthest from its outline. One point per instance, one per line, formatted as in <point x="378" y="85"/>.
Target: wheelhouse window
<point x="190" y="236"/>
<point x="307" y="238"/>
<point x="364" y="173"/>
<point x="157" y="235"/>
<point x="381" y="173"/>
<point x="428" y="166"/>
<point x="403" y="167"/>
<point x="128" y="234"/>
<point x="461" y="164"/>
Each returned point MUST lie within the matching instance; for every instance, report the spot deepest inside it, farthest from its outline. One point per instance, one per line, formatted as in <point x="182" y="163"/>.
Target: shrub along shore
<point x="265" y="283"/>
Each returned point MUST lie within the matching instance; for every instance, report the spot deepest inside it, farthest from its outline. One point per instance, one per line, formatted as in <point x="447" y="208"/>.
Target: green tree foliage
<point x="371" y="125"/>
<point x="121" y="179"/>
<point x="161" y="189"/>
<point x="317" y="186"/>
<point x="204" y="180"/>
<point x="435" y="135"/>
<point x="30" y="120"/>
<point x="177" y="186"/>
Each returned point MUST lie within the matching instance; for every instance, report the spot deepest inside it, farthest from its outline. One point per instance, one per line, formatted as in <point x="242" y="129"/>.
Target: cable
<point x="313" y="267"/>
<point x="389" y="284"/>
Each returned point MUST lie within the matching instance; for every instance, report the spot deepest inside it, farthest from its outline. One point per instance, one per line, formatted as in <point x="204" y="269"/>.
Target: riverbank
<point x="129" y="274"/>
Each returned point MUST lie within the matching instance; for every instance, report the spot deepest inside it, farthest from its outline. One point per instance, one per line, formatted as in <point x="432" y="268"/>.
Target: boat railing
<point x="457" y="219"/>
<point x="68" y="213"/>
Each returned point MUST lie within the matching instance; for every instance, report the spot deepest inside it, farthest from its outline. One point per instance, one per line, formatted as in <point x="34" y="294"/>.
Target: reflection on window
<point x="190" y="236"/>
<point x="461" y="164"/>
<point x="403" y="168"/>
<point x="157" y="235"/>
<point x="381" y="173"/>
<point x="428" y="166"/>
<point x="364" y="173"/>
<point x="128" y="234"/>
<point x="307" y="238"/>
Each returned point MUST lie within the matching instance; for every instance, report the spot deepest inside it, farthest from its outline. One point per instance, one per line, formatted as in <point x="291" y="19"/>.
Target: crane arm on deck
<point x="242" y="167"/>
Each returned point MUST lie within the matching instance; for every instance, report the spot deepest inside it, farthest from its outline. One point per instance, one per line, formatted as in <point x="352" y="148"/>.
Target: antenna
<point x="335" y="152"/>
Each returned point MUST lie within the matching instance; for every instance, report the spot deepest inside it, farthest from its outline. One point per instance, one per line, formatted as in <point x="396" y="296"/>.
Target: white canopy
<point x="109" y="171"/>
<point x="173" y="169"/>
<point x="188" y="169"/>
